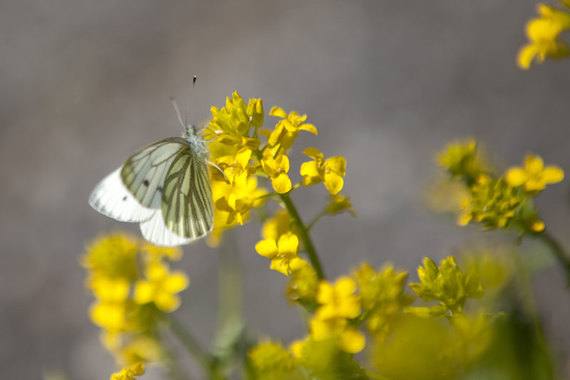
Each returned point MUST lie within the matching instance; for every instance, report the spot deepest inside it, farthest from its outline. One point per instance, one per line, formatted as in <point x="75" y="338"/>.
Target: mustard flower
<point x="113" y="256"/>
<point x="231" y="125"/>
<point x="330" y="171"/>
<point x="270" y="360"/>
<point x="129" y="373"/>
<point x="463" y="160"/>
<point x="277" y="167"/>
<point x="447" y="284"/>
<point x="543" y="34"/>
<point x="160" y="287"/>
<point x="288" y="128"/>
<point x="236" y="168"/>
<point x="282" y="252"/>
<point x="534" y="176"/>
<point x="339" y="203"/>
<point x="338" y="303"/>
<point x="383" y="297"/>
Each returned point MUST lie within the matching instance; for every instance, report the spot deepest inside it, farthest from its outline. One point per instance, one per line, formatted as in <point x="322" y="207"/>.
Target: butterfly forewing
<point x="145" y="171"/>
<point x="187" y="206"/>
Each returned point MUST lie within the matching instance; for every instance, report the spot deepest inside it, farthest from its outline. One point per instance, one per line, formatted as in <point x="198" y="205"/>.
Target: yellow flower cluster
<point x="132" y="285"/>
<point x="237" y="149"/>
<point x="544" y="36"/>
<point x="499" y="202"/>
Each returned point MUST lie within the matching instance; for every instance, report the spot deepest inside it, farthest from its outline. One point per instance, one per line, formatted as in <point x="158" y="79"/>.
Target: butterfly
<point x="165" y="187"/>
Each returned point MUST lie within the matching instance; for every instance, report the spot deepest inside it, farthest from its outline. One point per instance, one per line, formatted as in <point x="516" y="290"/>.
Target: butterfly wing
<point x="155" y="231"/>
<point x="187" y="206"/>
<point x="144" y="172"/>
<point x="112" y="198"/>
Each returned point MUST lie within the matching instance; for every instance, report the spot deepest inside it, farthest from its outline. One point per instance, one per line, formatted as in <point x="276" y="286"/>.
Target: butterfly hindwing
<point x="144" y="172"/>
<point x="111" y="198"/>
<point x="187" y="206"/>
<point x="155" y="231"/>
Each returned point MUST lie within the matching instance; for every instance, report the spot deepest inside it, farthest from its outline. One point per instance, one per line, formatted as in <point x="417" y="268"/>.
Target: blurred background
<point x="84" y="84"/>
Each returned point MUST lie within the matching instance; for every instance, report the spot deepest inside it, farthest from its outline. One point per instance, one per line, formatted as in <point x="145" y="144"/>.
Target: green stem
<point x="558" y="251"/>
<point x="203" y="359"/>
<point x="316" y="219"/>
<point x="304" y="235"/>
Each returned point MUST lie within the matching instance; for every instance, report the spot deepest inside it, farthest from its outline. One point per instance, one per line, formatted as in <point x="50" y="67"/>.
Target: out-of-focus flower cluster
<point x="133" y="287"/>
<point x="407" y="341"/>
<point x="544" y="35"/>
<point x="504" y="201"/>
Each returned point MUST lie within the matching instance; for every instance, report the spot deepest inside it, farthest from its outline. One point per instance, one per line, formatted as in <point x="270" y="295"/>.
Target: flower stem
<point x="558" y="251"/>
<point x="304" y="235"/>
<point x="203" y="359"/>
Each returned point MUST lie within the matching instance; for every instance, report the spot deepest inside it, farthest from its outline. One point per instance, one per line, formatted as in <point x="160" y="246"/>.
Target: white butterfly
<point x="165" y="187"/>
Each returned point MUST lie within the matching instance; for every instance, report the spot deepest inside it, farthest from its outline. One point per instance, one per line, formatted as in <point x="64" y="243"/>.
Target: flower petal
<point x="553" y="174"/>
<point x="516" y="176"/>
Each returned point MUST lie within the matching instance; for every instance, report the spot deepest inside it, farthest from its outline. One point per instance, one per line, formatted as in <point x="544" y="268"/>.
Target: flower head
<point x="330" y="171"/>
<point x="534" y="176"/>
<point x="160" y="287"/>
<point x="288" y="128"/>
<point x="543" y="34"/>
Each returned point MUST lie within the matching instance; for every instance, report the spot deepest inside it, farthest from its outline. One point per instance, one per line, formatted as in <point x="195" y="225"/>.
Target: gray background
<point x="85" y="83"/>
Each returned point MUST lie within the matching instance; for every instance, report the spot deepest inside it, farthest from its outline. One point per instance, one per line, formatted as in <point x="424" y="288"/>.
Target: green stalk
<point x="304" y="235"/>
<point x="558" y="251"/>
<point x="203" y="359"/>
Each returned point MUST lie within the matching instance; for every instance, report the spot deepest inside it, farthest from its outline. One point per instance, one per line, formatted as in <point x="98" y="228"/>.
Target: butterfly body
<point x="165" y="187"/>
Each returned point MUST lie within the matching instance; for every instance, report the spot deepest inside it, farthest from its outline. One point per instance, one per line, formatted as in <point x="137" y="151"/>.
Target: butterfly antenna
<point x="194" y="79"/>
<point x="177" y="112"/>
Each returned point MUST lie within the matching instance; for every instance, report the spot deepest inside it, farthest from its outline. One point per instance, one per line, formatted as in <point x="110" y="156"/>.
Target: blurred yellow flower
<point x="160" y="287"/>
<point x="463" y="160"/>
<point x="304" y="284"/>
<point x="129" y="373"/>
<point x="534" y="176"/>
<point x="338" y="303"/>
<point x="270" y="360"/>
<point x="339" y="203"/>
<point x="543" y="34"/>
<point x="330" y="171"/>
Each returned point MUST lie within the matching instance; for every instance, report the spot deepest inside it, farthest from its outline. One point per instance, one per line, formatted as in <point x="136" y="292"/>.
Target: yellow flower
<point x="338" y="300"/>
<point x="329" y="171"/>
<point x="236" y="168"/>
<point x="129" y="373"/>
<point x="286" y="130"/>
<point x="339" y="203"/>
<point x="271" y="360"/>
<point x="113" y="256"/>
<point x="160" y="287"/>
<point x="231" y="125"/>
<point x="534" y="176"/>
<point x="543" y="34"/>
<point x="282" y="252"/>
<point x="277" y="168"/>
<point x="338" y="303"/>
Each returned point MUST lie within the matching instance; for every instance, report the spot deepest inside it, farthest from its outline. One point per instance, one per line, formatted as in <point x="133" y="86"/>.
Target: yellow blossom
<point x="283" y="252"/>
<point x="129" y="373"/>
<point x="338" y="303"/>
<point x="288" y="128"/>
<point x="543" y="34"/>
<point x="303" y="284"/>
<point x="236" y="167"/>
<point x="113" y="256"/>
<point x="534" y="176"/>
<point x="277" y="168"/>
<point x="160" y="287"/>
<point x="270" y="360"/>
<point x="339" y="203"/>
<point x="330" y="171"/>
